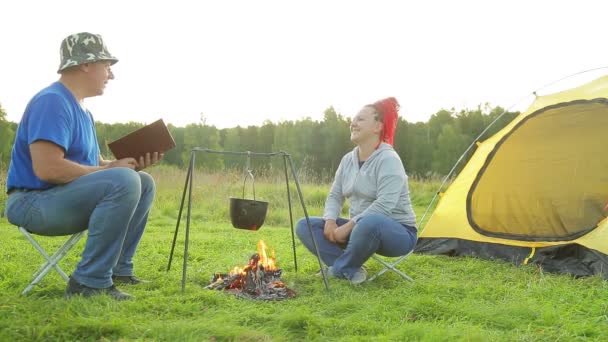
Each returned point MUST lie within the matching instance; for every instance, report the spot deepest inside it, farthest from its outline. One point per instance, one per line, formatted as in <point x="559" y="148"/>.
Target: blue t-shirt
<point x="52" y="115"/>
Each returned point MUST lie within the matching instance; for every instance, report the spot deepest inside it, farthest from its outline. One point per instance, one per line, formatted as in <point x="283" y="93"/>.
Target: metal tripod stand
<point x="188" y="188"/>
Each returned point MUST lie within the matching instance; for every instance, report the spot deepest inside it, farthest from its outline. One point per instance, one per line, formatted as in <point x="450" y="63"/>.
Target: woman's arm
<point x="335" y="198"/>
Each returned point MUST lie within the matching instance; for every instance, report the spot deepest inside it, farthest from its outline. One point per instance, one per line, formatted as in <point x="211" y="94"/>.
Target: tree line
<point x="427" y="148"/>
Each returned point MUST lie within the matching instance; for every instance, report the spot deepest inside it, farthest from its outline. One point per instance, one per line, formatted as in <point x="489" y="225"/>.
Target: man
<point x="58" y="183"/>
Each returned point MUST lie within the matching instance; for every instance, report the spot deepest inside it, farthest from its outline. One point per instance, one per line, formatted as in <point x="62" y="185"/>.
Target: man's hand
<point x="149" y="160"/>
<point x="125" y="162"/>
<point x="328" y="230"/>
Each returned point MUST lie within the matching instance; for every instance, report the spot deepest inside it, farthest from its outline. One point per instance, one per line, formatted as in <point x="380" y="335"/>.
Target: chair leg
<point x="51" y="262"/>
<point x="391" y="266"/>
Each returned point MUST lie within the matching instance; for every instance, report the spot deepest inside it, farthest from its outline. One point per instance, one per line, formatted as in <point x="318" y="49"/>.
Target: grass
<point x="451" y="299"/>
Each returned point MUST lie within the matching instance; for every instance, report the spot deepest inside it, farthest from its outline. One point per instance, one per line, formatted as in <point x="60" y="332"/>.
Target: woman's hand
<point x="341" y="234"/>
<point x="328" y="230"/>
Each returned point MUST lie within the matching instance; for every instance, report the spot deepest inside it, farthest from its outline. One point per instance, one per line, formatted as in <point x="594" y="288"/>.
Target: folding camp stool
<point x="51" y="261"/>
<point x="391" y="266"/>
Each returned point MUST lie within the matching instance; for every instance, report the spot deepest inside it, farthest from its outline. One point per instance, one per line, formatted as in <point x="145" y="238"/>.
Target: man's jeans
<point x="113" y="204"/>
<point x="372" y="234"/>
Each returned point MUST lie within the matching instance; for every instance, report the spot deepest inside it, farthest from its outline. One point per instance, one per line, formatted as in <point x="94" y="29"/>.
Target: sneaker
<point x="128" y="280"/>
<point x="358" y="277"/>
<point x="76" y="289"/>
<point x="328" y="271"/>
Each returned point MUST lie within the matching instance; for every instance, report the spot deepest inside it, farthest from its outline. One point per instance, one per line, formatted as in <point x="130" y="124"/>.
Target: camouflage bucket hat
<point x="81" y="48"/>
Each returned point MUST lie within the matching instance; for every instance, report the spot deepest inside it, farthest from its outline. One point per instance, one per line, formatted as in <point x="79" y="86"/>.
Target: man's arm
<point x="103" y="162"/>
<point x="50" y="165"/>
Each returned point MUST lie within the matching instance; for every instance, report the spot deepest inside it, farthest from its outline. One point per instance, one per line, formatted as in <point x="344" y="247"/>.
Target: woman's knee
<point x="302" y="227"/>
<point x="370" y="224"/>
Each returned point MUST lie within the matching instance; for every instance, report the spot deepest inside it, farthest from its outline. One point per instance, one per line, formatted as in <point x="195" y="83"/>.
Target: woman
<point x="372" y="177"/>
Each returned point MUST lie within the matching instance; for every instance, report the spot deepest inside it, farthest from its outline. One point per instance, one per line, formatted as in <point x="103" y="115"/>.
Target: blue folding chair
<point x="391" y="267"/>
<point x="51" y="261"/>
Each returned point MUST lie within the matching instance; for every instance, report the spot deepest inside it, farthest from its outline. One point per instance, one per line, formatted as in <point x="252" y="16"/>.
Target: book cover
<point x="151" y="138"/>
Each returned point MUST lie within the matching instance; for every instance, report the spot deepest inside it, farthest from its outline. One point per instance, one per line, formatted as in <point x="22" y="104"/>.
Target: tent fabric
<point x="537" y="187"/>
<point x="571" y="259"/>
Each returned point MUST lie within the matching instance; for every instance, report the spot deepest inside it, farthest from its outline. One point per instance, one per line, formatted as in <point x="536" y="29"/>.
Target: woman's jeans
<point x="373" y="233"/>
<point x="113" y="204"/>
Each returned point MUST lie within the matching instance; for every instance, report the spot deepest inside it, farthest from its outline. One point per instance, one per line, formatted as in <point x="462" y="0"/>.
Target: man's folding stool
<point x="51" y="261"/>
<point x="391" y="266"/>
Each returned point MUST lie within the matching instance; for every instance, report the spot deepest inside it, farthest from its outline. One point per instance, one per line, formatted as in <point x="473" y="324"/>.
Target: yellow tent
<point x="535" y="191"/>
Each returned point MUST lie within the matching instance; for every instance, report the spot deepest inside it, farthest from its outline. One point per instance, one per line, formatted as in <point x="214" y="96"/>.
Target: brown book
<point x="154" y="137"/>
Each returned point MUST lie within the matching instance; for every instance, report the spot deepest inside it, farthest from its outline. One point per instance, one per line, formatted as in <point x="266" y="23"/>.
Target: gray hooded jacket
<point x="379" y="186"/>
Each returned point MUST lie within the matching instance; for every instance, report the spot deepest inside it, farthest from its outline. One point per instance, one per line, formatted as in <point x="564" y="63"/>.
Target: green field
<point x="451" y="299"/>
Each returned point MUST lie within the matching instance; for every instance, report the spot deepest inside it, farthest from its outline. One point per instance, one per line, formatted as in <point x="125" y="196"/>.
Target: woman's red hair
<point x="388" y="113"/>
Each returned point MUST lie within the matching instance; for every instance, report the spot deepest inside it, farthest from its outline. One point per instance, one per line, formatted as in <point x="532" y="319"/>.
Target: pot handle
<point x="250" y="174"/>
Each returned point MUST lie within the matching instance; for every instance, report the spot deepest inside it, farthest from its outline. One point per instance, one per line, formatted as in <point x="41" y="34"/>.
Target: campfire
<point x="259" y="279"/>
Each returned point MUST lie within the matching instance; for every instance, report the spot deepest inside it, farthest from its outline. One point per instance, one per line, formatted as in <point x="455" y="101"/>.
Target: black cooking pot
<point x="245" y="213"/>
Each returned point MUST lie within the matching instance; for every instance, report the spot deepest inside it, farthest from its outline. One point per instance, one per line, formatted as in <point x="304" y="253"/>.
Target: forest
<point x="427" y="149"/>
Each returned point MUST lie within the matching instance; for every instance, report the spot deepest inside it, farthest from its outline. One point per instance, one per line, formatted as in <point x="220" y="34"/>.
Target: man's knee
<point x="147" y="182"/>
<point x="125" y="180"/>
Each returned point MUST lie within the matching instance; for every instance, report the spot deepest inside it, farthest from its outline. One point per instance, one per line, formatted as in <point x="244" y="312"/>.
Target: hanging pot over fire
<point x="246" y="213"/>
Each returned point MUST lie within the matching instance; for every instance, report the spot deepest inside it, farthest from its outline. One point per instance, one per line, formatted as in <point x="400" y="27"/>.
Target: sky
<point x="244" y="62"/>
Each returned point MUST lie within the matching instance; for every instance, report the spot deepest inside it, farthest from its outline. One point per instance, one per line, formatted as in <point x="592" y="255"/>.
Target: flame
<point x="269" y="263"/>
<point x="238" y="270"/>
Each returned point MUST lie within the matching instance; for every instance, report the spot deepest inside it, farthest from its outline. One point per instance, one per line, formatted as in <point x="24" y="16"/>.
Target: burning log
<point x="260" y="279"/>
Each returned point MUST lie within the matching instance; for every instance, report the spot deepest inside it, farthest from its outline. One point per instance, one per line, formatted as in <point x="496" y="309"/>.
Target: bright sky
<point x="243" y="62"/>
